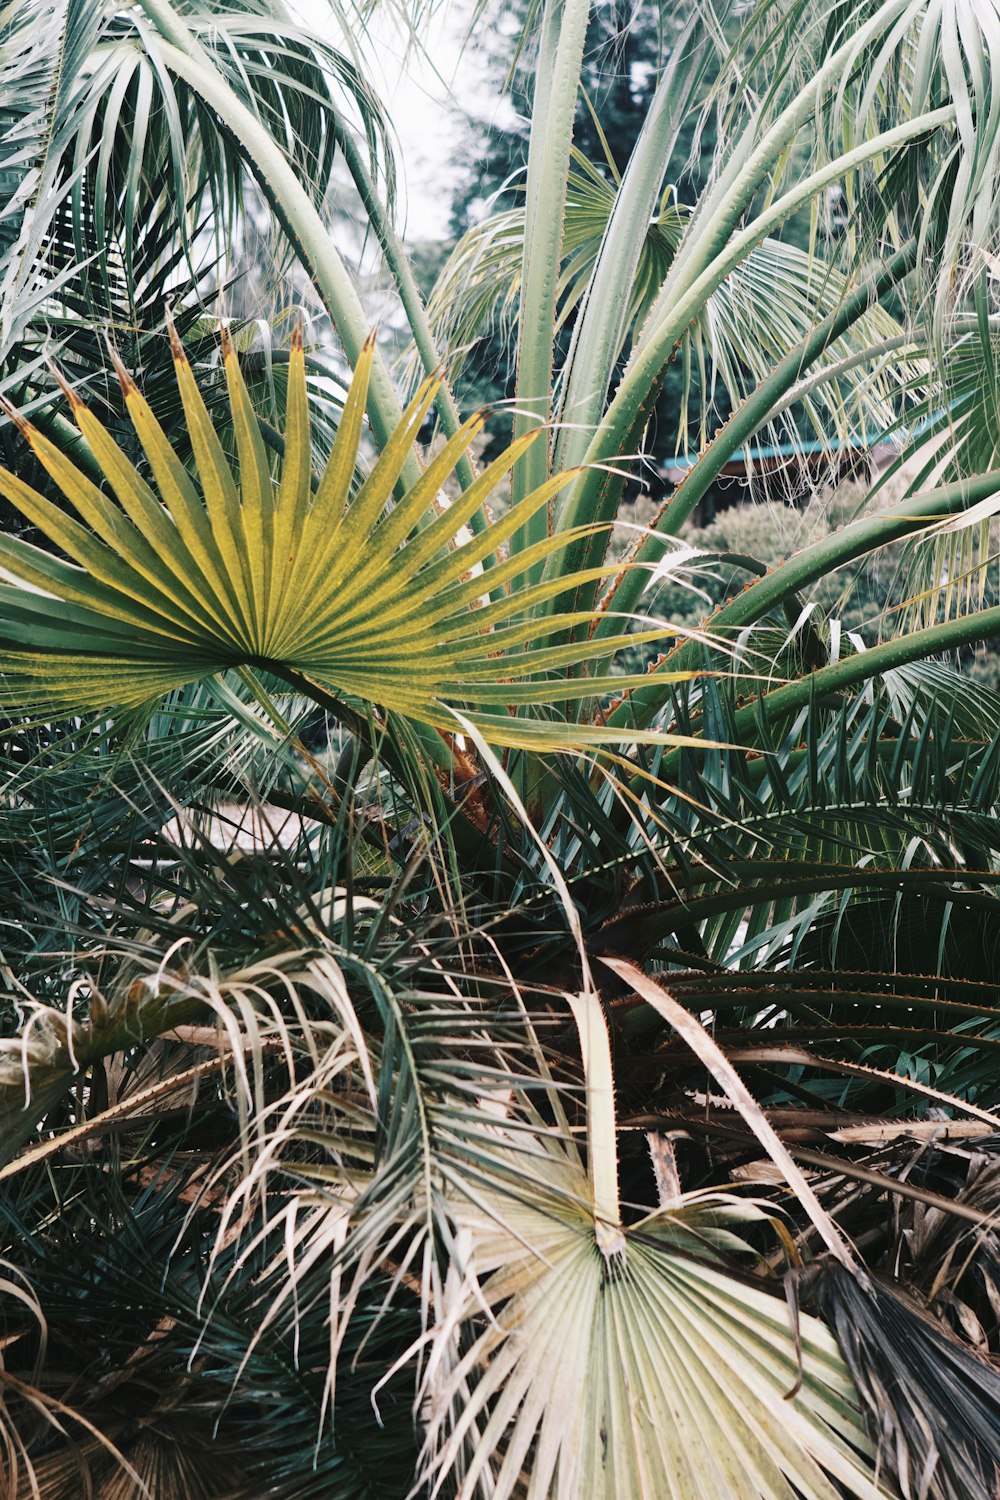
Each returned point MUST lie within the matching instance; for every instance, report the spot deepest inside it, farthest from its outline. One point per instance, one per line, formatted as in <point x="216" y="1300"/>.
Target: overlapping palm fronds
<point x="479" y="286"/>
<point x="411" y="1149"/>
<point x="436" y="1191"/>
<point x="152" y="1420"/>
<point x="433" y="1168"/>
<point x="99" y="134"/>
<point x="767" y="306"/>
<point x="325" y="1126"/>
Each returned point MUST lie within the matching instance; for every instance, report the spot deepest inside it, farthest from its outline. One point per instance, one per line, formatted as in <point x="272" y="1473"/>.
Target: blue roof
<point x="803" y="449"/>
<point x="782" y="450"/>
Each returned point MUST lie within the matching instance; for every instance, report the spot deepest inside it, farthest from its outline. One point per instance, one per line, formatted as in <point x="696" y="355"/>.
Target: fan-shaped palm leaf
<point x="651" y="1375"/>
<point x="613" y="1362"/>
<point x="763" y="309"/>
<point x="337" y="595"/>
<point x="481" y="283"/>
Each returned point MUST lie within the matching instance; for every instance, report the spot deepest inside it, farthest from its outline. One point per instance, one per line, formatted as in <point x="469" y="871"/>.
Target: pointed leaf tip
<point x="21" y="423"/>
<point x="176" y="347"/>
<point x="60" y="379"/>
<point x="125" y="380"/>
<point x="226" y="339"/>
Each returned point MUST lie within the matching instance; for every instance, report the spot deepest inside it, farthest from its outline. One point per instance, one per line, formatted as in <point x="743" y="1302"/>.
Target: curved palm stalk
<point x="759" y="327"/>
<point x="335" y="595"/>
<point x="861" y="538"/>
<point x="291" y="203"/>
<point x="849" y="672"/>
<point x="954" y="567"/>
<point x="557" y="79"/>
<point x="772" y="389"/>
<point x="772" y="302"/>
<point x="626" y="413"/>
<point x="872" y="846"/>
<point x="904" y="56"/>
<point x="713" y="245"/>
<point x="599" y="335"/>
<point x="481" y="282"/>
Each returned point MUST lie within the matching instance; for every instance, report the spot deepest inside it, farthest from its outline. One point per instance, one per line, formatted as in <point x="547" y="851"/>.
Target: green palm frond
<point x="96" y="132"/>
<point x="768" y="304"/>
<point x="340" y="593"/>
<point x="953" y="567"/>
<point x="966" y="422"/>
<point x="480" y="284"/>
<point x="43" y="50"/>
<point x="241" y="1422"/>
<point x="867" y="67"/>
<point x="908" y="779"/>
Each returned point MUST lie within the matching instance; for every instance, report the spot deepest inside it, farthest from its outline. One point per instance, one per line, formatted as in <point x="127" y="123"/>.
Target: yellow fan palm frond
<point x="361" y="595"/>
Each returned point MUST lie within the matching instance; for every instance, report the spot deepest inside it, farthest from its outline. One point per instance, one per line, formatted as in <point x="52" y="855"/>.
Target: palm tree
<point x="466" y="1035"/>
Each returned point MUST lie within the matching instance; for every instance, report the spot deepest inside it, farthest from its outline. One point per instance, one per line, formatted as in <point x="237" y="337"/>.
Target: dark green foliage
<point x="195" y="1406"/>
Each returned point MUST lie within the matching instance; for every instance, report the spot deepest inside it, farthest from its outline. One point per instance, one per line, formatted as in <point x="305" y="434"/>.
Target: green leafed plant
<point x="335" y="1112"/>
<point x="336" y="590"/>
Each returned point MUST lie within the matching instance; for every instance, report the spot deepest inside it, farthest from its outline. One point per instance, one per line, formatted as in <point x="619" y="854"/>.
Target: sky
<point x="428" y="98"/>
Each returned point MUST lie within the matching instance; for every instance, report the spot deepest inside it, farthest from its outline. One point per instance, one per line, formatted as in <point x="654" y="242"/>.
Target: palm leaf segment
<point x="360" y="597"/>
<point x="656" y="1375"/>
